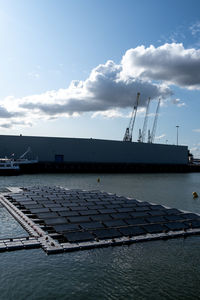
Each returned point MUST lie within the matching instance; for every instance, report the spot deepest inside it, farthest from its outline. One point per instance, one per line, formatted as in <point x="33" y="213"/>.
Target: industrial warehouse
<point x="54" y="154"/>
<point x="93" y="154"/>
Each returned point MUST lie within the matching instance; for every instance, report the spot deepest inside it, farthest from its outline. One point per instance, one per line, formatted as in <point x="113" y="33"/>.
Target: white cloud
<point x="160" y="137"/>
<point x="195" y="28"/>
<point x="104" y="90"/>
<point x="112" y="87"/>
<point x="34" y="75"/>
<point x="170" y="63"/>
<point x="5" y="114"/>
<point x="196" y="130"/>
<point x="178" y="102"/>
<point x="112" y="113"/>
<point x="194" y="149"/>
<point x="12" y="123"/>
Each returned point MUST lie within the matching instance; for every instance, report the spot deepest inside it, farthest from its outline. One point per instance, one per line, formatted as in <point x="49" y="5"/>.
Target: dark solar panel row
<point x="81" y="216"/>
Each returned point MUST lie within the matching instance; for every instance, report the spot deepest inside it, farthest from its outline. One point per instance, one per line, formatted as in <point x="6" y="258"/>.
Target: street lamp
<point x="177" y="127"/>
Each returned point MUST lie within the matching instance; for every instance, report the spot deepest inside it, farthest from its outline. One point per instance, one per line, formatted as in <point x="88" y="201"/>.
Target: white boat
<point x="11" y="166"/>
<point x="8" y="167"/>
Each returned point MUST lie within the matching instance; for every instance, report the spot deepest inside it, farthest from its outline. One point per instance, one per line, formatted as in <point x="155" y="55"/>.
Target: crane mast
<point x="27" y="151"/>
<point x="129" y="129"/>
<point x="152" y="136"/>
<point x="144" y="129"/>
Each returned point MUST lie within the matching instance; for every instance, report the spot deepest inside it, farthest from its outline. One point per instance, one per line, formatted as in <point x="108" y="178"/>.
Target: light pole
<point x="177" y="127"/>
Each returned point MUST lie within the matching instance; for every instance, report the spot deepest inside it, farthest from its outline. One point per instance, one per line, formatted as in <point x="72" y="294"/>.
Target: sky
<point x="73" y="68"/>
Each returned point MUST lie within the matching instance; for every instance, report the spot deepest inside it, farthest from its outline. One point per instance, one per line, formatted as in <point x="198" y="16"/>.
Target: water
<point x="153" y="270"/>
<point x="9" y="227"/>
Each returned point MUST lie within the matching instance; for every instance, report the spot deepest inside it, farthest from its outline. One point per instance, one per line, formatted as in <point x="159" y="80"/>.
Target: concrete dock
<point x="59" y="220"/>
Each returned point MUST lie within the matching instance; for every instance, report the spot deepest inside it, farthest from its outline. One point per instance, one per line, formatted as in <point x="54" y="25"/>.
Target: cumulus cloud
<point x="12" y="123"/>
<point x="11" y="117"/>
<point x="178" y="102"/>
<point x="160" y="137"/>
<point x="4" y="113"/>
<point x="103" y="90"/>
<point x="111" y="113"/>
<point x="170" y="63"/>
<point x="34" y="75"/>
<point x="195" y="28"/>
<point x="112" y="87"/>
<point x="194" y="149"/>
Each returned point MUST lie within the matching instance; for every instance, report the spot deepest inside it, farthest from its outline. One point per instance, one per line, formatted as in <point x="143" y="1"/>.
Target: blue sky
<point x="72" y="68"/>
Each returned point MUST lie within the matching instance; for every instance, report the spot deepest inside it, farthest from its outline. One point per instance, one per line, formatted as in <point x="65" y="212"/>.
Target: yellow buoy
<point x="98" y="179"/>
<point x="195" y="195"/>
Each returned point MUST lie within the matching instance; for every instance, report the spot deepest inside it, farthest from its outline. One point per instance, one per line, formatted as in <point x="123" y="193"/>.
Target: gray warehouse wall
<point x="92" y="150"/>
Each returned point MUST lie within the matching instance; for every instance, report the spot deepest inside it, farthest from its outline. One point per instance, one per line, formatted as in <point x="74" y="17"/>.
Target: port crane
<point x="142" y="134"/>
<point x="144" y="129"/>
<point x="129" y="129"/>
<point x="151" y="136"/>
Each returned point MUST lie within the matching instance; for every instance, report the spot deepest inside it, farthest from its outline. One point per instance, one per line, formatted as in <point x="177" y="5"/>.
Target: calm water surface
<point x="152" y="270"/>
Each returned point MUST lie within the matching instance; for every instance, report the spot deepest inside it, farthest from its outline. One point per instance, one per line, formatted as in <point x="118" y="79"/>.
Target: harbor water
<point x="151" y="270"/>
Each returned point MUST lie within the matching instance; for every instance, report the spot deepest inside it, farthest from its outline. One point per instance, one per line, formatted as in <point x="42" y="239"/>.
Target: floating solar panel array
<point x="82" y="219"/>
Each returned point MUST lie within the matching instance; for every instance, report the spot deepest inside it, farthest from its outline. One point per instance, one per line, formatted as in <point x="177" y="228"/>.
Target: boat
<point x="8" y="167"/>
<point x="12" y="166"/>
